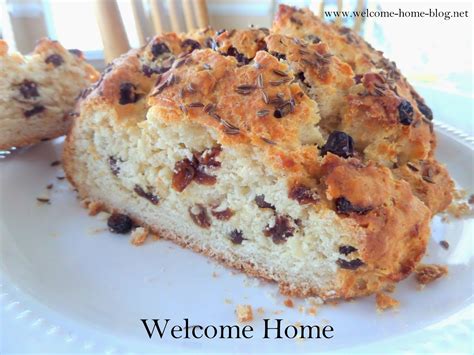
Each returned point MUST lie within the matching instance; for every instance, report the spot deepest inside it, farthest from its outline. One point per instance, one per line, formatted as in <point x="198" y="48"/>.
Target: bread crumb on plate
<point x="139" y="235"/>
<point x="427" y="273"/>
<point x="385" y="302"/>
<point x="244" y="313"/>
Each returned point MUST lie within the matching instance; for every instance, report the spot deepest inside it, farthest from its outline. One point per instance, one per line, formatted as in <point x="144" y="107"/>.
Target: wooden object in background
<point x="173" y="15"/>
<point x="156" y="16"/>
<point x="200" y="8"/>
<point x="111" y="29"/>
<point x="188" y="14"/>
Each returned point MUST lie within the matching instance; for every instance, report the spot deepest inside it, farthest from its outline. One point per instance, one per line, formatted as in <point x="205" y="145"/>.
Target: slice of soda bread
<point x="38" y="92"/>
<point x="222" y="144"/>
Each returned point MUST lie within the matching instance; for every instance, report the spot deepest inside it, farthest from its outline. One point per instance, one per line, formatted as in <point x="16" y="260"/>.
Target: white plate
<point x="91" y="288"/>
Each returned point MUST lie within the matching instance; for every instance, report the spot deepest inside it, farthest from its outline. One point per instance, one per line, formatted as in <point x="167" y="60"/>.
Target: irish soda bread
<point x="37" y="92"/>
<point x="266" y="152"/>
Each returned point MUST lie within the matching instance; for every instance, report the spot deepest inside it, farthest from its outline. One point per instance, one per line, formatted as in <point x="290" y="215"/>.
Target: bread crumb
<point x="139" y="235"/>
<point x="260" y="311"/>
<point x="278" y="311"/>
<point x="389" y="288"/>
<point x="459" y="209"/>
<point x="94" y="207"/>
<point x="227" y="301"/>
<point x="244" y="313"/>
<point x="459" y="194"/>
<point x="301" y="309"/>
<point x="288" y="302"/>
<point x="427" y="273"/>
<point x="314" y="301"/>
<point x="155" y="236"/>
<point x="312" y="311"/>
<point x="384" y="301"/>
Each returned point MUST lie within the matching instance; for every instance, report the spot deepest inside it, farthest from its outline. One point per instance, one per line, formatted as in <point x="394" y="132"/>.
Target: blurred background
<point x="434" y="53"/>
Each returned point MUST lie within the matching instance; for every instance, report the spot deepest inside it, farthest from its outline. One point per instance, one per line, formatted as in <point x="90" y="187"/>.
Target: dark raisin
<point x="113" y="163"/>
<point x="358" y="78"/>
<point x="425" y="110"/>
<point x="283" y="110"/>
<point x="190" y="45"/>
<point x="199" y="216"/>
<point x="148" y="195"/>
<point x="444" y="244"/>
<point x="208" y="157"/>
<point x="242" y="59"/>
<point x="303" y="194"/>
<point x="346" y="249"/>
<point x="350" y="265"/>
<point x="278" y="55"/>
<point x="158" y="49"/>
<point x="54" y="59"/>
<point x="119" y="223"/>
<point x="202" y="178"/>
<point x="281" y="231"/>
<point x="344" y="206"/>
<point x="221" y="31"/>
<point x="128" y="94"/>
<point x="76" y="52"/>
<point x="236" y="236"/>
<point x="34" y="111"/>
<point x="339" y="143"/>
<point x="183" y="174"/>
<point x="296" y="21"/>
<point x="224" y="215"/>
<point x="29" y="89"/>
<point x="313" y="39"/>
<point x="149" y="71"/>
<point x="405" y="112"/>
<point x="260" y="201"/>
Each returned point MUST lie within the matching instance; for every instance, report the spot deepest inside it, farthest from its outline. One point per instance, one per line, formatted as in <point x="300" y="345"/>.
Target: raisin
<point x="281" y="231"/>
<point x="29" y="89"/>
<point x="149" y="71"/>
<point x="208" y="157"/>
<point x="128" y="94"/>
<point x="202" y="178"/>
<point x="344" y="206"/>
<point x="313" y="39"/>
<point x="242" y="59"/>
<point x="283" y="110"/>
<point x="54" y="59"/>
<point x="260" y="201"/>
<point x="425" y="110"/>
<point x="211" y="43"/>
<point x="358" y="78"/>
<point x="350" y="265"/>
<point x="278" y="55"/>
<point x="119" y="223"/>
<point x="346" y="249"/>
<point x="339" y="143"/>
<point x="190" y="44"/>
<point x="113" y="163"/>
<point x="224" y="215"/>
<point x="34" y="111"/>
<point x="199" y="216"/>
<point x="183" y="174"/>
<point x="405" y="112"/>
<point x="148" y="195"/>
<point x="303" y="194"/>
<point x="185" y="171"/>
<point x="236" y="236"/>
<point x="158" y="49"/>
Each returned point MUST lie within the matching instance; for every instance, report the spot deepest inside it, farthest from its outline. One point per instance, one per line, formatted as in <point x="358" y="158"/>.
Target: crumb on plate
<point x="384" y="301"/>
<point x="288" y="302"/>
<point x="139" y="235"/>
<point x="244" y="313"/>
<point x="427" y="273"/>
